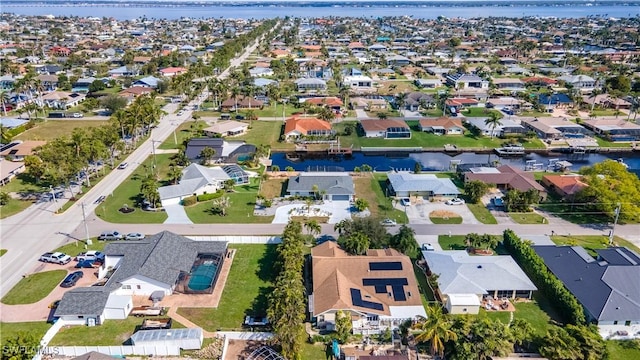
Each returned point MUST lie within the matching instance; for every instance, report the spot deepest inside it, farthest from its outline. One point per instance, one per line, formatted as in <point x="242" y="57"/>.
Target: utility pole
<point x="86" y="226"/>
<point x="615" y="222"/>
<point x="153" y="151"/>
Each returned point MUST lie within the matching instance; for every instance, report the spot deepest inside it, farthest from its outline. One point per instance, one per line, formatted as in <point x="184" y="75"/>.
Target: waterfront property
<point x="225" y="151"/>
<point x="331" y="186"/>
<point x="614" y="129"/>
<point x="386" y="128"/>
<point x="553" y="127"/>
<point x="442" y="126"/>
<point x="566" y="186"/>
<point x="297" y="127"/>
<point x="494" y="277"/>
<point x="226" y="128"/>
<point x="427" y="185"/>
<point x="606" y="287"/>
<point x="379" y="289"/>
<point x="506" y="177"/>
<point x="504" y="127"/>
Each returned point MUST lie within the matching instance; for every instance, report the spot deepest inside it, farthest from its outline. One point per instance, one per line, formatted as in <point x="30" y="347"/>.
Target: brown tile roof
<point x="335" y="273"/>
<point x="135" y="90"/>
<point x="445" y="122"/>
<point x="564" y="184"/>
<point x="329" y="101"/>
<point x="382" y="124"/>
<point x="304" y="125"/>
<point x="515" y="178"/>
<point x="23" y="149"/>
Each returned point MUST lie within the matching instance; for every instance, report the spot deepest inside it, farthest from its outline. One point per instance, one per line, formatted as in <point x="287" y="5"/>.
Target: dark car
<point x="71" y="279"/>
<point x="239" y="117"/>
<point x="85" y="264"/>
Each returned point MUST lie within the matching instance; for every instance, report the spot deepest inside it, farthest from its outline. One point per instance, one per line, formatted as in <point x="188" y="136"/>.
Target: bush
<point x="549" y="284"/>
<point x="205" y="197"/>
<point x="188" y="201"/>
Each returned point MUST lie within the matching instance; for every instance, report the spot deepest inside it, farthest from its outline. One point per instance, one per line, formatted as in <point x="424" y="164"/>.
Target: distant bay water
<point x="168" y="10"/>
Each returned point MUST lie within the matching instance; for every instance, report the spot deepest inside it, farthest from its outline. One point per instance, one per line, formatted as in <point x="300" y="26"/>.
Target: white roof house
<point x="408" y="184"/>
<point x="196" y="179"/>
<point x="497" y="276"/>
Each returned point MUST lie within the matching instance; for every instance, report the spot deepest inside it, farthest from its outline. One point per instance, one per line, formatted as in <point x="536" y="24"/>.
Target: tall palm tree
<point x="435" y="329"/>
<point x="313" y="227"/>
<point x="493" y="121"/>
<point x="4" y="101"/>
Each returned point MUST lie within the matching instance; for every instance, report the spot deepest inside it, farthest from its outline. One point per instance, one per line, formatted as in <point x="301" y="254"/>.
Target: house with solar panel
<point x="379" y="289"/>
<point x="162" y="264"/>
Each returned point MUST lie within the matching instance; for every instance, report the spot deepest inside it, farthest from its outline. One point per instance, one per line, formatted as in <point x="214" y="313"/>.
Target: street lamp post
<point x="53" y="194"/>
<point x="86" y="226"/>
<point x="615" y="222"/>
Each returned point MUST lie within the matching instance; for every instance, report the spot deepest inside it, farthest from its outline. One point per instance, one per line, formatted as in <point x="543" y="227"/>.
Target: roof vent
<point x="479" y="266"/>
<point x="618" y="308"/>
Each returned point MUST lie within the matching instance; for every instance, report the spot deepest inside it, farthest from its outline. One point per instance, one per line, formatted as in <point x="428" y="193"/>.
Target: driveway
<point x="339" y="210"/>
<point x="176" y="215"/>
<point x="361" y="114"/>
<point x="419" y="213"/>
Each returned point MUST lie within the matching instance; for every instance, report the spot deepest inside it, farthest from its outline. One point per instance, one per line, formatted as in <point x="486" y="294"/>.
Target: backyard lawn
<point x="527" y="218"/>
<point x="273" y="188"/>
<point x="11" y="330"/>
<point x="591" y="243"/>
<point x="243" y="201"/>
<point x="370" y="187"/>
<point x="52" y="129"/>
<point x="183" y="131"/>
<point x="245" y="292"/>
<point x="480" y="112"/>
<point x="34" y="287"/>
<point x="482" y="214"/>
<point x="76" y="247"/>
<point x="538" y="312"/>
<point x="128" y="193"/>
<point x="110" y="333"/>
<point x="264" y="133"/>
<point x="623" y="350"/>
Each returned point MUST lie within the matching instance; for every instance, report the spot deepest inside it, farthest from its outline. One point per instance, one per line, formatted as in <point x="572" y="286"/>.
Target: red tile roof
<point x="304" y="125"/>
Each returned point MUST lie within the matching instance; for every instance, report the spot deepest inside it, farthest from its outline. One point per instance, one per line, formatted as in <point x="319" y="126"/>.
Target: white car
<point x="456" y="201"/>
<point x="134" y="236"/>
<point x="388" y="222"/>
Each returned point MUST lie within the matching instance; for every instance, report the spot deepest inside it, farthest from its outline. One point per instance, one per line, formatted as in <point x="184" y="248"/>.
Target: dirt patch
<point x="443" y="214"/>
<point x="241" y="349"/>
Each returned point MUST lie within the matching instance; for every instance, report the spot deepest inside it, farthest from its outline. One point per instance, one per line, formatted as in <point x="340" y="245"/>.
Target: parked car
<point x="110" y="235"/>
<point x="123" y="166"/>
<point x="134" y="236"/>
<point x="240" y="117"/>
<point x="77" y="115"/>
<point x="456" y="201"/>
<point x="428" y="247"/>
<point x="71" y="279"/>
<point x="497" y="202"/>
<point x="388" y="222"/>
<point x="91" y="255"/>
<point x="55" y="258"/>
<point x="405" y="201"/>
<point x="85" y="264"/>
<point x="100" y="199"/>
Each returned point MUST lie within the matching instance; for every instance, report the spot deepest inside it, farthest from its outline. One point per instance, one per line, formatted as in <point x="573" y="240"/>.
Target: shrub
<point x="205" y="197"/>
<point x="188" y="201"/>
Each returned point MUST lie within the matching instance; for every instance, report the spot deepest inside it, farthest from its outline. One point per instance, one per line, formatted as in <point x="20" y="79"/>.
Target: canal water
<point x="440" y="161"/>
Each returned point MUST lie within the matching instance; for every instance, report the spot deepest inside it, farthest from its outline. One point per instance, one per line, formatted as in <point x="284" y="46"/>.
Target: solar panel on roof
<point x="397" y="286"/>
<point x="385" y="266"/>
<point x="356" y="299"/>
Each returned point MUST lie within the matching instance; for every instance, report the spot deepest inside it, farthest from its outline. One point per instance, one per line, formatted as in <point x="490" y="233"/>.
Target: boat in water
<point x="510" y="150"/>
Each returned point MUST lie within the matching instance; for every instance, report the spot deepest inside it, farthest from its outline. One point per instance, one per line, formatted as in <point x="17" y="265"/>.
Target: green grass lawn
<point x="23" y="183"/>
<point x="528" y="218"/>
<point x="447" y="220"/>
<point x="76" y="247"/>
<point x="3" y="251"/>
<point x="266" y="112"/>
<point x="181" y="133"/>
<point x="245" y="292"/>
<point x="12" y="207"/>
<point x="128" y="192"/>
<point x="575" y="213"/>
<point x="11" y="330"/>
<point x="243" y="201"/>
<point x="457" y="242"/>
<point x="264" y="133"/>
<point x="591" y="243"/>
<point x="606" y="112"/>
<point x="482" y="214"/>
<point x="52" y="129"/>
<point x="611" y="144"/>
<point x="623" y="350"/>
<point x="371" y="188"/>
<point x="33" y="288"/>
<point x="481" y="112"/>
<point x="426" y="294"/>
<point x="538" y="312"/>
<point x="534" y="113"/>
<point x="315" y="352"/>
<point x="110" y="333"/>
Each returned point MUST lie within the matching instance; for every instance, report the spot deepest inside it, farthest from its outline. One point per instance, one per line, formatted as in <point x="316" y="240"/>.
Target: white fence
<point x="145" y="350"/>
<point x="245" y="335"/>
<point x="268" y="239"/>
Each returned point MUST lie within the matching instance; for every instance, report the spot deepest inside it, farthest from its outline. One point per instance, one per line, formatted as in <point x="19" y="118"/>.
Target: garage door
<point x="340" y="197"/>
<point x="173" y="201"/>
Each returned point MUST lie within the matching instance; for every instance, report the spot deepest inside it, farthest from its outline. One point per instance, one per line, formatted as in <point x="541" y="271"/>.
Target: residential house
<point x="377" y="48"/>
<point x="225" y="151"/>
<point x="124" y="71"/>
<point x="465" y="81"/>
<point x="506" y="177"/>
<point x="308" y="84"/>
<point x="368" y="104"/>
<point x="606" y="101"/>
<point x="429" y="186"/>
<point x="504" y="127"/>
<point x="135" y="91"/>
<point x="197" y="180"/>
<point x="553" y="101"/>
<point x="565" y="185"/>
<point x="9" y="170"/>
<point x="539" y="81"/>
<point x="418" y="100"/>
<point x="379" y="289"/>
<point x="330" y="102"/>
<point x="172" y="71"/>
<point x="509" y="102"/>
<point x="48" y="82"/>
<point x="261" y="71"/>
<point x="18" y="150"/>
<point x="49" y="69"/>
<point x="584" y="83"/>
<point x="553" y="127"/>
<point x="427" y="83"/>
<point x="461" y="276"/>
<point x="358" y="82"/>
<point x="226" y="128"/>
<point x="162" y="263"/>
<point x="7" y="82"/>
<point x="242" y="102"/>
<point x="296" y="127"/>
<point x="607" y="286"/>
<point x="397" y="60"/>
<point x="62" y="99"/>
<point x="330" y="186"/>
<point x="386" y="128"/>
<point x="614" y="129"/>
<point x="512" y="85"/>
<point x="442" y="126"/>
<point x="148" y="81"/>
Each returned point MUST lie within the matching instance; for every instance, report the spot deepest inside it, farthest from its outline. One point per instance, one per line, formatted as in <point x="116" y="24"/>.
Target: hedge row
<point x="532" y="264"/>
<point x="192" y="200"/>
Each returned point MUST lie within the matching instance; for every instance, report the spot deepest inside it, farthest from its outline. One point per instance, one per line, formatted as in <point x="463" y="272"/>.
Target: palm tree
<point x="401" y="98"/>
<point x="174" y="174"/>
<point x="313" y="227"/>
<point x="435" y="329"/>
<point x="493" y="121"/>
<point x="4" y="100"/>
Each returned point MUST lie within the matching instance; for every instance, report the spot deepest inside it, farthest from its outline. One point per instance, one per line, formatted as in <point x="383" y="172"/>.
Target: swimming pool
<point x="203" y="275"/>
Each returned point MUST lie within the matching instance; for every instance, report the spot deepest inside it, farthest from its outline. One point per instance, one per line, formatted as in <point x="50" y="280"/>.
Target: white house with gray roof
<point x="329" y="185"/>
<point x="196" y="180"/>
<point x="428" y="185"/>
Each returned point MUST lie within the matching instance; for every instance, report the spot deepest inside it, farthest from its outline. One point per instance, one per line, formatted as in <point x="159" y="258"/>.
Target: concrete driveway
<point x="339" y="210"/>
<point x="176" y="215"/>
<point x="419" y="213"/>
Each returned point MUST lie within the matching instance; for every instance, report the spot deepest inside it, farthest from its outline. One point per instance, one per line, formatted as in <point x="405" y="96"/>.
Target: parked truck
<point x="146" y="311"/>
<point x="90" y="255"/>
<point x="156" y="324"/>
<point x="56" y="258"/>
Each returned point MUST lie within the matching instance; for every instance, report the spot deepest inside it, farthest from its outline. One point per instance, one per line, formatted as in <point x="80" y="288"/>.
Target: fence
<point x="267" y="239"/>
<point x="145" y="350"/>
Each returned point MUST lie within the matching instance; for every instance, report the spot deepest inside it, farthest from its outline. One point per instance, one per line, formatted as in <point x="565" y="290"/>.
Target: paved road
<point x="37" y="229"/>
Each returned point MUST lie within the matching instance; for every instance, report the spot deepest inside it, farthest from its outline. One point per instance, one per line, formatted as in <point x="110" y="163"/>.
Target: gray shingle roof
<point x="422" y="182"/>
<point x="331" y="183"/>
<point x="193" y="178"/>
<point x="88" y="301"/>
<point x="160" y="257"/>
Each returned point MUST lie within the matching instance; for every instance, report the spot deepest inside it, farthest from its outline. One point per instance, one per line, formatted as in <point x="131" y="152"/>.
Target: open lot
<point x="370" y="187"/>
<point x="52" y="129"/>
<point x="184" y="130"/>
<point x="265" y="133"/>
<point x="274" y="187"/>
<point x="247" y="287"/>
